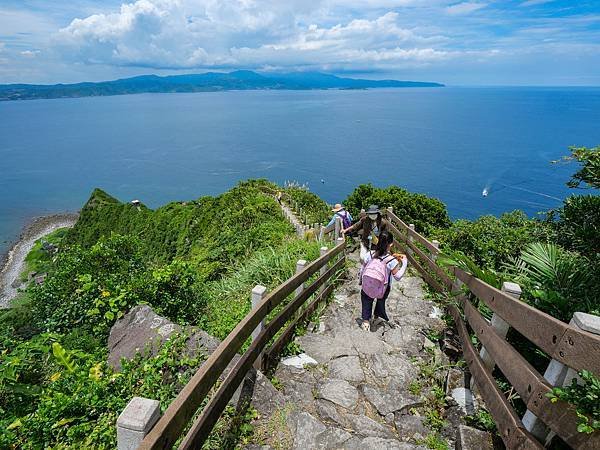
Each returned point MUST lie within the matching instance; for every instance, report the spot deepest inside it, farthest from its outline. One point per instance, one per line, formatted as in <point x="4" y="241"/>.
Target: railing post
<point x="390" y="209"/>
<point x="322" y="252"/>
<point x="557" y="374"/>
<point x="363" y="213"/>
<point x="300" y="265"/>
<point x="338" y="227"/>
<point x="499" y="325"/>
<point x="136" y="421"/>
<point x="411" y="239"/>
<point x="433" y="255"/>
<point x="258" y="292"/>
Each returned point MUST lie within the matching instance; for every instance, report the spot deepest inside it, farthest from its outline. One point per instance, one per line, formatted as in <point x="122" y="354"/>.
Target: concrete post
<point x="433" y="255"/>
<point x="390" y="209"/>
<point x="300" y="265"/>
<point x="499" y="325"/>
<point x="258" y="293"/>
<point x="363" y="213"/>
<point x="557" y="374"/>
<point x="136" y="421"/>
<point x="323" y="269"/>
<point x="338" y="227"/>
<point x="411" y="239"/>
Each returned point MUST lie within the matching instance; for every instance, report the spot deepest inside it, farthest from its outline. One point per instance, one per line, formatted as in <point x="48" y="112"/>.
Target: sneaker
<point x="377" y="321"/>
<point x="365" y="326"/>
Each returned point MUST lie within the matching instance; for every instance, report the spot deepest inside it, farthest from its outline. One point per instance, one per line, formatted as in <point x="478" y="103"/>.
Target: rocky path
<point x="293" y="219"/>
<point x="351" y="388"/>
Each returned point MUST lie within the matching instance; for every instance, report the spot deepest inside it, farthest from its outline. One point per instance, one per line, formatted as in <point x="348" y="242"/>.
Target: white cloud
<point x="30" y="53"/>
<point x="535" y="2"/>
<point x="464" y="8"/>
<point x="184" y="34"/>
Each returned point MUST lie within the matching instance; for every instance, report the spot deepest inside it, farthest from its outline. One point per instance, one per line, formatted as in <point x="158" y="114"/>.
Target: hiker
<point x="340" y="211"/>
<point x="369" y="229"/>
<point x="376" y="279"/>
<point x="279" y="197"/>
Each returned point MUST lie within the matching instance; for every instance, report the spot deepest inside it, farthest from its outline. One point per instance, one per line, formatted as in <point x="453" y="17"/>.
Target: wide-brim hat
<point x="373" y="209"/>
<point x="337" y="207"/>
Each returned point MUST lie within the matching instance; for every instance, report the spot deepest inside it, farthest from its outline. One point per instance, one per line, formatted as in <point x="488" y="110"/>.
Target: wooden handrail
<point x="510" y="427"/>
<point x="278" y="345"/>
<point x="431" y="264"/>
<point x="204" y="424"/>
<point x="575" y="348"/>
<point x="560" y="417"/>
<point x="412" y="233"/>
<point x="568" y="345"/>
<point x="180" y="411"/>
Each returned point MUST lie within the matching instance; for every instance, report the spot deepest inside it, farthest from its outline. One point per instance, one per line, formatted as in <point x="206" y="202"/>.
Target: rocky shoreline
<point x="12" y="262"/>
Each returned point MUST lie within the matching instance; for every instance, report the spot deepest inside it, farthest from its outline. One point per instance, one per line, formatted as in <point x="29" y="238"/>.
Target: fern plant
<point x="559" y="280"/>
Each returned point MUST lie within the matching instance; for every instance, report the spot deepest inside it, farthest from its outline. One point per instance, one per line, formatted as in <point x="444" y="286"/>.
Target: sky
<point x="481" y="42"/>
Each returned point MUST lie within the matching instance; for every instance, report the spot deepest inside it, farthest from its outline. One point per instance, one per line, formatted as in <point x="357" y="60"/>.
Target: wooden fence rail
<point x="170" y="426"/>
<point x="569" y="345"/>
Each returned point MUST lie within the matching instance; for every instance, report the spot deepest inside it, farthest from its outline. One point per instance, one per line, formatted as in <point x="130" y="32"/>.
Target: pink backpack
<point x="374" y="277"/>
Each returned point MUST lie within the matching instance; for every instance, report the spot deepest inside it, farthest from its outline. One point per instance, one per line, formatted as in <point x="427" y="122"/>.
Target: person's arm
<point x="354" y="227"/>
<point x="331" y="222"/>
<point x="399" y="270"/>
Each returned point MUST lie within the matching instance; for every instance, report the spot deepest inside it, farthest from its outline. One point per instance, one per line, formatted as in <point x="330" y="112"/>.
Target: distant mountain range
<point x="210" y="81"/>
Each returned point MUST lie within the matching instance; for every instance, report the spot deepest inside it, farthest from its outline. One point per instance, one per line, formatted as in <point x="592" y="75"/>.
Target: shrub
<point x="493" y="241"/>
<point x="577" y="224"/>
<point x="425" y="212"/>
<point x="81" y="397"/>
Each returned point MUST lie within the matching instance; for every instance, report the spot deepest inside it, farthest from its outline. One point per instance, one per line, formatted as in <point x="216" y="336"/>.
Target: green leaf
<point x="63" y="357"/>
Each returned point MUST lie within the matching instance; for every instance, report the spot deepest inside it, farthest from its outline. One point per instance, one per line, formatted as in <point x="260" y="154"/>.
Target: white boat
<point x="485" y="192"/>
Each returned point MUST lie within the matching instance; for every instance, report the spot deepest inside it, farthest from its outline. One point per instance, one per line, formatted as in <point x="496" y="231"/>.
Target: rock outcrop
<point x="142" y="330"/>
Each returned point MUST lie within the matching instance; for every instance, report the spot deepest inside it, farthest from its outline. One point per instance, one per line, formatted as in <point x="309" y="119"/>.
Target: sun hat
<point x="337" y="207"/>
<point x="373" y="209"/>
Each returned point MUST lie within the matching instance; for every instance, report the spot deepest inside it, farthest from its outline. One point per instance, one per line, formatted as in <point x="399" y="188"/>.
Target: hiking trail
<point x="350" y="388"/>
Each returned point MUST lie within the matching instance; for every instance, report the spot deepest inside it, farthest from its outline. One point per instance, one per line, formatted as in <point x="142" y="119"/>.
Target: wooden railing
<point x="170" y="426"/>
<point x="571" y="348"/>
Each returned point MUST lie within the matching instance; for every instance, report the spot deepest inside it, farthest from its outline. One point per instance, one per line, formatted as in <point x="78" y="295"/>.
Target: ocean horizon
<point x="450" y="143"/>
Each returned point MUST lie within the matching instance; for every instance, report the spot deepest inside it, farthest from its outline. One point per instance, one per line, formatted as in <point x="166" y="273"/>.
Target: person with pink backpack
<point x="376" y="279"/>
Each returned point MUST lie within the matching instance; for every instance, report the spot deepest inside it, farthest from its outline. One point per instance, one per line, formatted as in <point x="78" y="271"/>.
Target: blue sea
<point x="450" y="143"/>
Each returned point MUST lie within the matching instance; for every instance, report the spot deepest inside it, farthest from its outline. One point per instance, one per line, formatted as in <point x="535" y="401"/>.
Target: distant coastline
<point x="12" y="262"/>
<point x="205" y="82"/>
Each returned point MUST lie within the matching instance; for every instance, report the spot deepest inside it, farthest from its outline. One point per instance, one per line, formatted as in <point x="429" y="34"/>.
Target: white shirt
<point x="391" y="264"/>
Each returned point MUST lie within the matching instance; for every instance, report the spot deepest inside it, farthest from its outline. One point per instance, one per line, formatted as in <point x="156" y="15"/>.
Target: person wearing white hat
<point x="339" y="211"/>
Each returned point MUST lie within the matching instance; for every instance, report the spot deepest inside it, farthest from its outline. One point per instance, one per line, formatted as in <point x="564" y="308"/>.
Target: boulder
<point x="468" y="438"/>
<point x="140" y="330"/>
<point x="410" y="428"/>
<point x="339" y="392"/>
<point x="324" y="348"/>
<point x="307" y="429"/>
<point x="365" y="426"/>
<point x="346" y="368"/>
<point x="391" y="400"/>
<point x="378" y="443"/>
